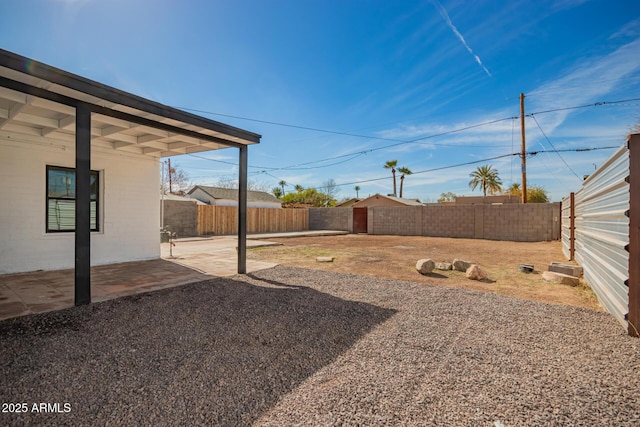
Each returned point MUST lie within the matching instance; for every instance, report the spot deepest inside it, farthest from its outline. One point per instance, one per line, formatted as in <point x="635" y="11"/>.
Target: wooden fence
<point x="220" y="220"/>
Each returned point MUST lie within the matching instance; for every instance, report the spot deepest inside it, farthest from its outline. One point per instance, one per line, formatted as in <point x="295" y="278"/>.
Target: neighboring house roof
<point x="348" y="203"/>
<point x="232" y="194"/>
<point x="392" y="199"/>
<point x="177" y="198"/>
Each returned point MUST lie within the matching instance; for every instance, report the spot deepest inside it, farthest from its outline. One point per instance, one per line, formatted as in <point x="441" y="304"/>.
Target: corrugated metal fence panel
<point x="566" y="227"/>
<point x="602" y="232"/>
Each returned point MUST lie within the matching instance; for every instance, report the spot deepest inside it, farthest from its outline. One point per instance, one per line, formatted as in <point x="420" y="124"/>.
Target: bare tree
<point x="231" y="183"/>
<point x="330" y="188"/>
<point x="174" y="178"/>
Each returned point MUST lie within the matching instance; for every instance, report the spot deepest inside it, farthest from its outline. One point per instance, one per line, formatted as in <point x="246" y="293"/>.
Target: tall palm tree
<point x="391" y="164"/>
<point x="487" y="178"/>
<point x="282" y="183"/>
<point x="404" y="171"/>
<point x="357" y="188"/>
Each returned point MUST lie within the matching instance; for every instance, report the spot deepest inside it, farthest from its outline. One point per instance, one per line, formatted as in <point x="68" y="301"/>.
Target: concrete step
<point x="563" y="279"/>
<point x="568" y="269"/>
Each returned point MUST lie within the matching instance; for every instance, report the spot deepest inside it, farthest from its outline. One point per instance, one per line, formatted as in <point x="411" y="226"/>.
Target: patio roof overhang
<point x="42" y="101"/>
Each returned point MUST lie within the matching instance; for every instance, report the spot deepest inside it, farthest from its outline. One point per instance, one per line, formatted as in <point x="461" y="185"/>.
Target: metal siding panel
<point x="602" y="232"/>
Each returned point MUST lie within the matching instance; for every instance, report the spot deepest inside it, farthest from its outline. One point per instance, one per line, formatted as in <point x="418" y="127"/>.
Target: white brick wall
<point x="130" y="210"/>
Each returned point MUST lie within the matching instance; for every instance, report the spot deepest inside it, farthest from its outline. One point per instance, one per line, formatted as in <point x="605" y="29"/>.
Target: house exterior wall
<point x="129" y="208"/>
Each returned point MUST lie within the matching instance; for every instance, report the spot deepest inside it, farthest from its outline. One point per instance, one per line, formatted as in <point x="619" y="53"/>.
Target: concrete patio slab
<point x="193" y="261"/>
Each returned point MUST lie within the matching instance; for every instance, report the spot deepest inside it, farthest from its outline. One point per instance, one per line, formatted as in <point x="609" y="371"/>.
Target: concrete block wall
<point x="448" y="221"/>
<point x="331" y="219"/>
<point x="521" y="223"/>
<point x="181" y="217"/>
<point x="397" y="221"/>
<point x="532" y="222"/>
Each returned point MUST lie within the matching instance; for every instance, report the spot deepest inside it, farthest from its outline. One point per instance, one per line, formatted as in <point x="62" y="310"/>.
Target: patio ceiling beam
<point x="66" y="100"/>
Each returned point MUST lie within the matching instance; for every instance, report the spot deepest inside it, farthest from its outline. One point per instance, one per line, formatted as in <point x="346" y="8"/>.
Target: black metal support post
<point x="83" y="206"/>
<point x="242" y="211"/>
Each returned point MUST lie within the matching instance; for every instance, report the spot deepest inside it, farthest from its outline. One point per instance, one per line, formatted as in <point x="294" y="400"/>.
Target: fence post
<point x="572" y="226"/>
<point x="633" y="318"/>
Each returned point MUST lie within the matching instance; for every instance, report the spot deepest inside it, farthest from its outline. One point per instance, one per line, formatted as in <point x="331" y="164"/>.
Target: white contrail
<point x="445" y="16"/>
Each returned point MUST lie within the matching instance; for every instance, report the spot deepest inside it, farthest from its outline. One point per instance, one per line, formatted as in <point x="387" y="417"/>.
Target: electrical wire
<point x="299" y="166"/>
<point x="554" y="148"/>
<point x="528" y="153"/>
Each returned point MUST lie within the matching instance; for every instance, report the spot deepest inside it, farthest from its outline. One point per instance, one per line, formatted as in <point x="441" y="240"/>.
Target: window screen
<point x="61" y="199"/>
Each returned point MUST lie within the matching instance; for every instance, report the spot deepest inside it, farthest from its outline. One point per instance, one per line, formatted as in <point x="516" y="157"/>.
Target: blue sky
<point x="388" y="71"/>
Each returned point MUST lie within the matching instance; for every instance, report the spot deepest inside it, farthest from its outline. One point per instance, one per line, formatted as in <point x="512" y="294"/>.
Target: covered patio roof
<point x="40" y="101"/>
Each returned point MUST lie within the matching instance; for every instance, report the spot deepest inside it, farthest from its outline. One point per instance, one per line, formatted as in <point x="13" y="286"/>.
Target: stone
<point x="568" y="269"/>
<point x="443" y="266"/>
<point x="425" y="266"/>
<point x="325" y="259"/>
<point x="474" y="272"/>
<point x="563" y="279"/>
<point x="460" y="265"/>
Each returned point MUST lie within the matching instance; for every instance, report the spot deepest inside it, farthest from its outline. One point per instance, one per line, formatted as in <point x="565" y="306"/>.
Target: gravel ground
<point x="289" y="346"/>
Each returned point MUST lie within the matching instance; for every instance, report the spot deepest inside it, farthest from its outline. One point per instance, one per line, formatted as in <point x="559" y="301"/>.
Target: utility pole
<point x="170" y="189"/>
<point x="524" y="150"/>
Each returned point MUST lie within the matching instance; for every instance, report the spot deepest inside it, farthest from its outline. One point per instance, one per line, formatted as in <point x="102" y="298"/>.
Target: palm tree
<point x="299" y="188"/>
<point x="357" y="188"/>
<point x="487" y="178"/>
<point x="282" y="183"/>
<point x="404" y="171"/>
<point x="391" y="164"/>
<point x="514" y="189"/>
<point x="277" y="191"/>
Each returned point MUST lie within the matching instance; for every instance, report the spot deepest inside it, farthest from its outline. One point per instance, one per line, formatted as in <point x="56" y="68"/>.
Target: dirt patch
<point x="395" y="257"/>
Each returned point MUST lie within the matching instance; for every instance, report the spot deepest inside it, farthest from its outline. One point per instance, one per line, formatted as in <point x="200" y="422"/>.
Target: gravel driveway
<point x="289" y="346"/>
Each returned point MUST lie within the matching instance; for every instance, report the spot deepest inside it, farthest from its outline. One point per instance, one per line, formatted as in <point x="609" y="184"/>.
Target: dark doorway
<point x="359" y="220"/>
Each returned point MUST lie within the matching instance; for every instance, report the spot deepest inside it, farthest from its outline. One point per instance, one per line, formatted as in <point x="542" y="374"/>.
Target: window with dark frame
<point x="61" y="199"/>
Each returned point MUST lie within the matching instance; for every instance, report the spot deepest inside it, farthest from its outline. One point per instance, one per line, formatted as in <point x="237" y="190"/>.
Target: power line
<point x="528" y="153"/>
<point x="554" y="148"/>
<point x="299" y="166"/>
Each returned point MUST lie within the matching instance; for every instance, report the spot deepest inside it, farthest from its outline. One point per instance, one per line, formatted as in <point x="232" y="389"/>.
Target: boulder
<point x="563" y="279"/>
<point x="443" y="266"/>
<point x="425" y="266"/>
<point x="460" y="265"/>
<point x="325" y="259"/>
<point x="474" y="272"/>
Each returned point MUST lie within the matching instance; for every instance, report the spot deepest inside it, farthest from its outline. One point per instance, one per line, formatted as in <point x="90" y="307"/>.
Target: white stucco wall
<point x="130" y="212"/>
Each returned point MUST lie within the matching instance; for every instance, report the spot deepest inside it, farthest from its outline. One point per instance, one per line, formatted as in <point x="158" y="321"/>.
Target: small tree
<point x="357" y="188"/>
<point x="277" y="191"/>
<point x="310" y="196"/>
<point x="535" y="193"/>
<point x="299" y="188"/>
<point x="447" y="197"/>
